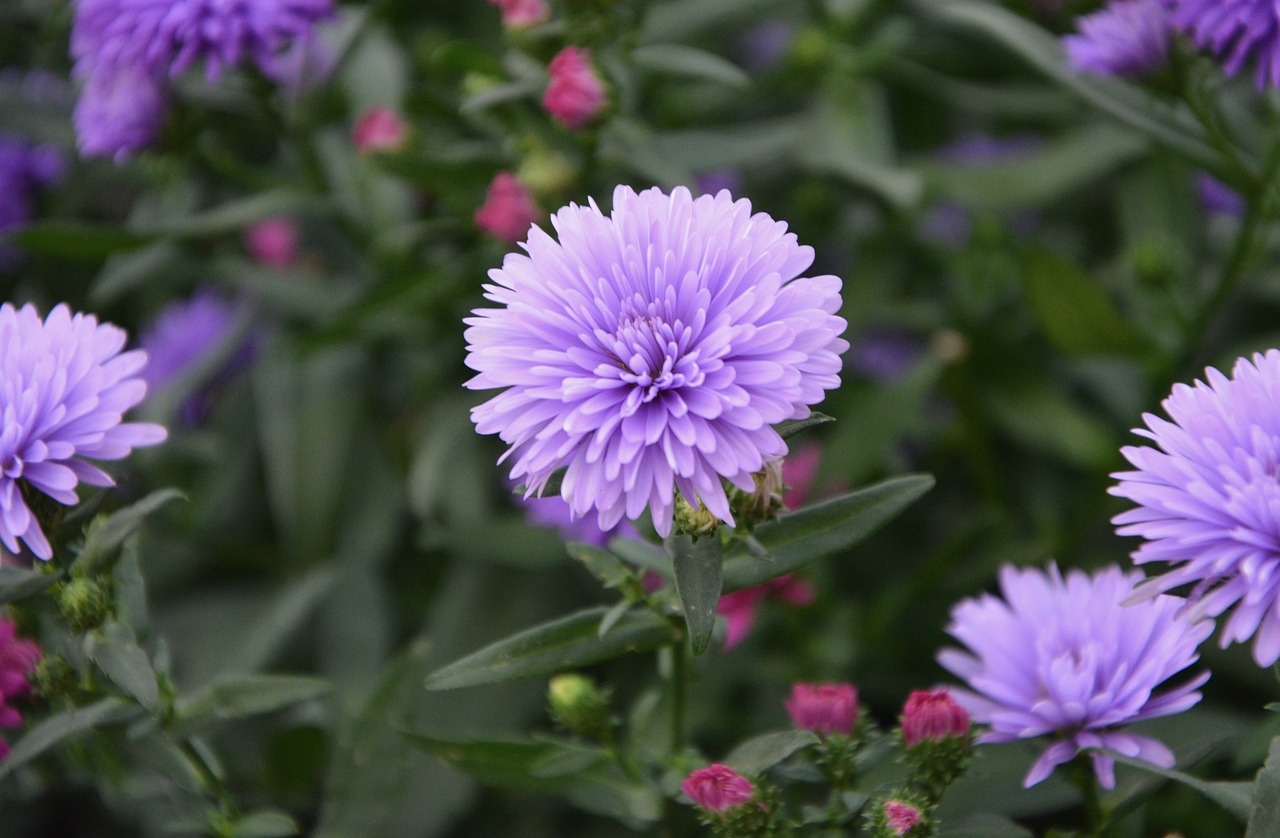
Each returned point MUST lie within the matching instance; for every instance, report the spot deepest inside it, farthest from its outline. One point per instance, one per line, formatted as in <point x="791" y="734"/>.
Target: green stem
<point x="208" y="777"/>
<point x="1083" y="778"/>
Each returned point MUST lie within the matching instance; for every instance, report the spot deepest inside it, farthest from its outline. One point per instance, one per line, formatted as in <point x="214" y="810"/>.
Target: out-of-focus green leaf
<point x="642" y="554"/>
<point x="632" y="146"/>
<point x="1234" y="797"/>
<point x="117" y="654"/>
<point x="105" y="535"/>
<point x="265" y="824"/>
<point x="603" y="565"/>
<point x="1043" y="418"/>
<point x="760" y="753"/>
<point x="733" y="144"/>
<point x="126" y="271"/>
<point x="681" y="60"/>
<point x="234" y="216"/>
<point x="848" y="135"/>
<point x="1074" y="311"/>
<point x="238" y="696"/>
<point x="1264" y="813"/>
<point x="816" y="531"/>
<point x="698" y="566"/>
<point x="55" y="729"/>
<point x="566" y="643"/>
<point x="17" y="584"/>
<point x="984" y="825"/>
<point x="677" y="20"/>
<point x="75" y="241"/>
<point x="791" y="427"/>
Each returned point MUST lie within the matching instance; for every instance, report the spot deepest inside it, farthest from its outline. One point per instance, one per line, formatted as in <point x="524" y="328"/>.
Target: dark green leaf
<point x="16" y="583"/>
<point x="563" y="644"/>
<point x="791" y="427"/>
<point x="54" y="729"/>
<point x="234" y="216"/>
<point x="680" y="60"/>
<point x="123" y="272"/>
<point x="75" y="241"/>
<point x="1074" y="311"/>
<point x="1234" y="797"/>
<point x="240" y="696"/>
<point x="265" y="824"/>
<point x="816" y="531"/>
<point x="761" y="753"/>
<point x="1264" y="814"/>
<point x="984" y="825"/>
<point x="642" y="554"/>
<point x="698" y="567"/>
<point x="105" y="535"/>
<point x="603" y="565"/>
<point x="117" y="654"/>
<point x="613" y="615"/>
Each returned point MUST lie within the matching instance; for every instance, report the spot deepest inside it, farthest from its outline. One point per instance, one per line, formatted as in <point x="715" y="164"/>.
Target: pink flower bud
<point x="823" y="708"/>
<point x="717" y="788"/>
<point x="575" y="94"/>
<point x="273" y="242"/>
<point x="932" y="715"/>
<point x="518" y="14"/>
<point x="508" y="209"/>
<point x="380" y="130"/>
<point x="901" y="817"/>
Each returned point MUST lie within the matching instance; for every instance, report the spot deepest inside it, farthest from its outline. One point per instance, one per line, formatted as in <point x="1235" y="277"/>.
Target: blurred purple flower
<point x="18" y="659"/>
<point x="64" y="386"/>
<point x="119" y="113"/>
<point x="24" y="169"/>
<point x="884" y="355"/>
<point x="1209" y="501"/>
<point x="653" y="349"/>
<point x="1063" y="658"/>
<point x="1126" y="38"/>
<point x="710" y="183"/>
<point x="1237" y="31"/>
<point x="303" y="65"/>
<point x="1217" y="197"/>
<point x="951" y="223"/>
<point x="762" y="47"/>
<point x="553" y="512"/>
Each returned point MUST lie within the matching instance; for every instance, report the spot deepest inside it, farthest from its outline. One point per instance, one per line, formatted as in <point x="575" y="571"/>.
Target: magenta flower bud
<point x="380" y="130"/>
<point x="273" y="242"/>
<point x="717" y="788"/>
<point x="823" y="708"/>
<point x="932" y="715"/>
<point x="520" y="14"/>
<point x="575" y="94"/>
<point x="901" y="817"/>
<point x="508" y="210"/>
<point x="18" y="659"/>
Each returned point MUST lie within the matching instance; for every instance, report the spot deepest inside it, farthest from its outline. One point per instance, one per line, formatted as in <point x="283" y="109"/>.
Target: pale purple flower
<point x="1237" y="31"/>
<point x="553" y="512"/>
<point x="64" y="386"/>
<point x="183" y="334"/>
<point x="1126" y="38"/>
<point x="711" y="182"/>
<point x="1209" y="500"/>
<point x="24" y="169"/>
<point x="653" y="349"/>
<point x="1064" y="658"/>
<point x="119" y="113"/>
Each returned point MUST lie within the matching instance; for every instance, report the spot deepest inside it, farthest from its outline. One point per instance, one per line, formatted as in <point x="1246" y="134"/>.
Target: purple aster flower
<point x="1064" y="658"/>
<point x="24" y="168"/>
<point x="709" y="183"/>
<point x="884" y="355"/>
<point x="1209" y="500"/>
<point x="1127" y="38"/>
<point x="1237" y="31"/>
<point x="951" y="223"/>
<point x="64" y="386"/>
<point x="119" y="113"/>
<point x="651" y="350"/>
<point x="552" y="511"/>
<point x="1216" y="197"/>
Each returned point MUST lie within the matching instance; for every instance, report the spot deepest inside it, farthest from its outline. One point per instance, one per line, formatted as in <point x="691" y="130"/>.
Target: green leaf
<point x="791" y="427"/>
<point x="16" y="583"/>
<point x="680" y="60"/>
<point x="234" y="216"/>
<point x="105" y="535"/>
<point x="603" y="565"/>
<point x="74" y="240"/>
<point x="55" y="729"/>
<point x="117" y="654"/>
<point x="1234" y="797"/>
<point x="642" y="554"/>
<point x="760" y="753"/>
<point x="1264" y="813"/>
<point x="566" y="643"/>
<point x="265" y="824"/>
<point x="816" y="531"/>
<point x="613" y="615"/>
<point x="126" y="271"/>
<point x="1074" y="311"/>
<point x="982" y="825"/>
<point x="698" y="567"/>
<point x="240" y="696"/>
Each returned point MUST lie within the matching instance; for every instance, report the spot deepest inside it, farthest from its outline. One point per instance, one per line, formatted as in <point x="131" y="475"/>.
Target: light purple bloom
<point x="651" y="350"/>
<point x="182" y="335"/>
<point x="1209" y="500"/>
<point x="119" y="113"/>
<point x="1237" y="31"/>
<point x="1064" y="658"/>
<point x="64" y="386"/>
<point x="552" y="511"/>
<point x="24" y="168"/>
<point x="1126" y="38"/>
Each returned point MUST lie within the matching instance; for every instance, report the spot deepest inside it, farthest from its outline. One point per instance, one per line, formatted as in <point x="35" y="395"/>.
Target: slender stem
<point x="1082" y="777"/>
<point x="208" y="777"/>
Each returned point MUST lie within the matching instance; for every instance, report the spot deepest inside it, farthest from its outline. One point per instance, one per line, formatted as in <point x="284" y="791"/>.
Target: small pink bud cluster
<point x="521" y="14"/>
<point x="931" y="716"/>
<point x="717" y="788"/>
<point x="508" y="210"/>
<point x="901" y="817"/>
<point x="17" y="660"/>
<point x="379" y="130"/>
<point x="824" y="708"/>
<point x="575" y="94"/>
<point x="273" y="242"/>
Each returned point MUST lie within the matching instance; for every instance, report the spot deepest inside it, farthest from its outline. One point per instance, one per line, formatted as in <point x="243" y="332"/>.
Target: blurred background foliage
<point x="1028" y="267"/>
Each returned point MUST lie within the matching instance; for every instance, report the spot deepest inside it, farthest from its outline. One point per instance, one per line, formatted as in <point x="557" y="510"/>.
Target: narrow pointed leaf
<point x="566" y="643"/>
<point x="603" y="565"/>
<point x="1234" y="797"/>
<point x="107" y="534"/>
<point x="761" y="753"/>
<point x="237" y="696"/>
<point x="117" y="654"/>
<point x="1264" y="814"/>
<point x="698" y="567"/>
<point x="816" y="531"/>
<point x="16" y="583"/>
<point x="791" y="427"/>
<point x="55" y="729"/>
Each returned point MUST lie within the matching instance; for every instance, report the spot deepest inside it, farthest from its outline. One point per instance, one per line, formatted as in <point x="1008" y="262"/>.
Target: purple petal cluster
<point x="64" y="387"/>
<point x="1209" y="500"/>
<point x="17" y="660"/>
<point x="24" y="169"/>
<point x="652" y="349"/>
<point x="1237" y="31"/>
<point x="553" y="512"/>
<point x="1064" y="658"/>
<point x="126" y="50"/>
<point x="1126" y="38"/>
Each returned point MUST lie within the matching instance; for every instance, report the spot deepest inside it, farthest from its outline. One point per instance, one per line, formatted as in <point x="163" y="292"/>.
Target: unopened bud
<point x="695" y="521"/>
<point x="84" y="603"/>
<point x="579" y="706"/>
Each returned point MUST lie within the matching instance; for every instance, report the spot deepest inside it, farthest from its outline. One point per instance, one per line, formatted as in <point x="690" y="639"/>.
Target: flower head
<point x="508" y="210"/>
<point x="64" y="385"/>
<point x="575" y="94"/>
<point x="119" y="113"/>
<point x="1208" y="500"/>
<point x="651" y="350"/>
<point x="900" y="817"/>
<point x="1127" y="38"/>
<point x="823" y="708"/>
<point x="520" y="14"/>
<point x="1238" y="31"/>
<point x="717" y="788"/>
<point x="1063" y="658"/>
<point x="380" y="129"/>
<point x="273" y="241"/>
<point x="932" y="715"/>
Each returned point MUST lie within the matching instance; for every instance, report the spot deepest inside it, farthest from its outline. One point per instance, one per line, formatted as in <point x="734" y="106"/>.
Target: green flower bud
<point x="579" y="706"/>
<point x="697" y="522"/>
<point x="85" y="604"/>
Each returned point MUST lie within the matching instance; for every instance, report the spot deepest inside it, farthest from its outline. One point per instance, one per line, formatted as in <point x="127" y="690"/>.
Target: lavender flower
<point x="119" y="113"/>
<point x="1209" y="501"/>
<point x="24" y="169"/>
<point x="1064" y="658"/>
<point x="1237" y="31"/>
<point x="651" y="350"/>
<point x="64" y="386"/>
<point x="1218" y="198"/>
<point x="1127" y="38"/>
<point x="553" y="512"/>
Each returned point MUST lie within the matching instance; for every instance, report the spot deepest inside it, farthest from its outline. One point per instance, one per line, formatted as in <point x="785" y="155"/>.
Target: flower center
<point x="654" y="355"/>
